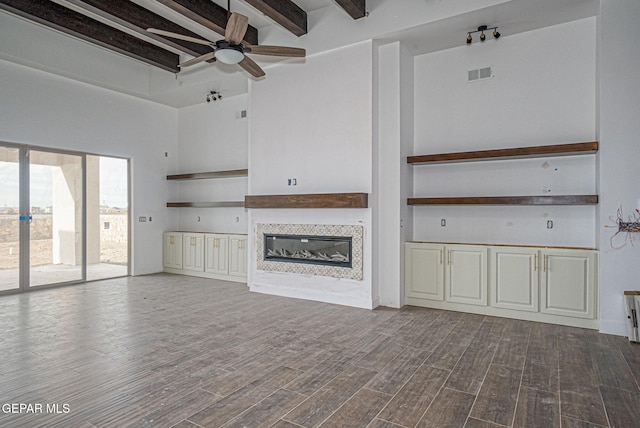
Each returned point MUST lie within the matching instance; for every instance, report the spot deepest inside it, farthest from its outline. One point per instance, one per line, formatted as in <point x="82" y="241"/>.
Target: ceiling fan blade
<point x="236" y="28"/>
<point x="249" y="65"/>
<point x="198" y="59"/>
<point x="178" y="36"/>
<point x="277" y="51"/>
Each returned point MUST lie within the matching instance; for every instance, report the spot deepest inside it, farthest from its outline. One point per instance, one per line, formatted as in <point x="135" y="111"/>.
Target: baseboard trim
<point x="618" y="328"/>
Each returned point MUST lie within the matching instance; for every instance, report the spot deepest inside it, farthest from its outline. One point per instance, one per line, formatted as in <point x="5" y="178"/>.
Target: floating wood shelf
<point x="221" y="204"/>
<point x="319" y="200"/>
<point x="513" y="153"/>
<point x="508" y="200"/>
<point x="209" y="175"/>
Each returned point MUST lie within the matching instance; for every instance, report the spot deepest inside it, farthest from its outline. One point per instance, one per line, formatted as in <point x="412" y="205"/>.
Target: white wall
<point x="313" y="122"/>
<point x="619" y="153"/>
<point x="392" y="176"/>
<point x="212" y="137"/>
<point x="41" y="109"/>
<point x="543" y="92"/>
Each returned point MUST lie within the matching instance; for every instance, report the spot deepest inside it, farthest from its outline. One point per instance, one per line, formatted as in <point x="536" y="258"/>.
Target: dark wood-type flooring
<point x="174" y="351"/>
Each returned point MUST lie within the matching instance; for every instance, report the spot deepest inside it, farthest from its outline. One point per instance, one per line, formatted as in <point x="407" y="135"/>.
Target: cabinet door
<point x="514" y="278"/>
<point x="238" y="255"/>
<point x="216" y="254"/>
<point x="193" y="252"/>
<point x="424" y="271"/>
<point x="172" y="250"/>
<point x="466" y="274"/>
<point x="568" y="283"/>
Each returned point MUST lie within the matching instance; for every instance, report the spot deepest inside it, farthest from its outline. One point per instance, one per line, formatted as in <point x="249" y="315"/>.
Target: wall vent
<point x="479" y="74"/>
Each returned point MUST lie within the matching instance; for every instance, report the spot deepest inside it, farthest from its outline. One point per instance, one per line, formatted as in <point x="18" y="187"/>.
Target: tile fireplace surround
<point x="355" y="232"/>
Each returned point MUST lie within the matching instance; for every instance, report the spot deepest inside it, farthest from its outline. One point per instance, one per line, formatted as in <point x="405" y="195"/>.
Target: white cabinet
<point x="216" y="254"/>
<point x="172" y="250"/>
<point x="455" y="273"/>
<point x="424" y="271"/>
<point x="193" y="252"/>
<point x="209" y="255"/>
<point x="553" y="285"/>
<point x="568" y="283"/>
<point x="238" y="255"/>
<point x="514" y="278"/>
<point x="466" y="274"/>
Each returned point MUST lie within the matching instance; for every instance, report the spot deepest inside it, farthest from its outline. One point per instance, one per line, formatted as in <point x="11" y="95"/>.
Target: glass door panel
<point x="9" y="218"/>
<point x="107" y="217"/>
<point x="56" y="241"/>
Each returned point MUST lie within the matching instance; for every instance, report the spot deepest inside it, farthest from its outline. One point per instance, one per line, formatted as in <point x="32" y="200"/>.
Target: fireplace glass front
<point x="321" y="250"/>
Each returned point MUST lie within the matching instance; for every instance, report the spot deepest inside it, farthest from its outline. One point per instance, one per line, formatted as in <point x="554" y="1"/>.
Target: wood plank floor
<point x="173" y="351"/>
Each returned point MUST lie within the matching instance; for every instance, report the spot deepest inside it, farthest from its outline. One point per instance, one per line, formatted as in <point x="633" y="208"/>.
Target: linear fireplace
<point x="319" y="250"/>
<point x="310" y="249"/>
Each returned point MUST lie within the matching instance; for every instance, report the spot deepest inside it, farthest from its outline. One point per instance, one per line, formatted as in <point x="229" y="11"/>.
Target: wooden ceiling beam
<point x="67" y="21"/>
<point x="137" y="19"/>
<point x="356" y="8"/>
<point x="284" y="12"/>
<point x="209" y="15"/>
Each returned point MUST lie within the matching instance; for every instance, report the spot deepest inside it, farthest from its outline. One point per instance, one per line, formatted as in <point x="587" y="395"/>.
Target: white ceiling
<point x="423" y="26"/>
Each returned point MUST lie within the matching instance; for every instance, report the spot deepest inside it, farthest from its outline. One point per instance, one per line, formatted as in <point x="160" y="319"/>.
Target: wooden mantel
<point x="317" y="200"/>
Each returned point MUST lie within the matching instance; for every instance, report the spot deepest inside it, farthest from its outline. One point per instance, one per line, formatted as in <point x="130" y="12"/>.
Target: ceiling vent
<point x="479" y="74"/>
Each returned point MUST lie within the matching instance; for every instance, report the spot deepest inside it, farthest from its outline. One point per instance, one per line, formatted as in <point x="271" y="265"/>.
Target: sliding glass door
<point x="9" y="218"/>
<point x="56" y="217"/>
<point x="64" y="217"/>
<point x="107" y="217"/>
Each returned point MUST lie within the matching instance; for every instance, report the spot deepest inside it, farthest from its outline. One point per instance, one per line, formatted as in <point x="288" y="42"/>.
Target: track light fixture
<point x="481" y="29"/>
<point x="213" y="96"/>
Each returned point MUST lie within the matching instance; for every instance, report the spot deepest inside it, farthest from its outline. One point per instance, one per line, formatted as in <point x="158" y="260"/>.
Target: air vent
<point x="479" y="74"/>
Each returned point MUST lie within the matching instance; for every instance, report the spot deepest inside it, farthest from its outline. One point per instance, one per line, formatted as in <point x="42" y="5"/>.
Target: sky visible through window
<point x="113" y="184"/>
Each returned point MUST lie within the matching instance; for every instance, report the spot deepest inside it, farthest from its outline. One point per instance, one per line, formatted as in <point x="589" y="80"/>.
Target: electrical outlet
<point x="443" y="222"/>
<point x="549" y="224"/>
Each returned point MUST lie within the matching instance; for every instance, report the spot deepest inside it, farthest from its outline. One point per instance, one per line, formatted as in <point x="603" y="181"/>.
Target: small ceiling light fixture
<point x="481" y="29"/>
<point x="213" y="96"/>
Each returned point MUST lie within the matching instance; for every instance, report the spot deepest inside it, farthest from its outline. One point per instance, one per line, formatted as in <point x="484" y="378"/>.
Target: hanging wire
<point x="628" y="228"/>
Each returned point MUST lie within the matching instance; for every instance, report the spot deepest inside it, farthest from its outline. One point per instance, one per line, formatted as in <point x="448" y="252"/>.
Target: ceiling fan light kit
<point x="230" y="54"/>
